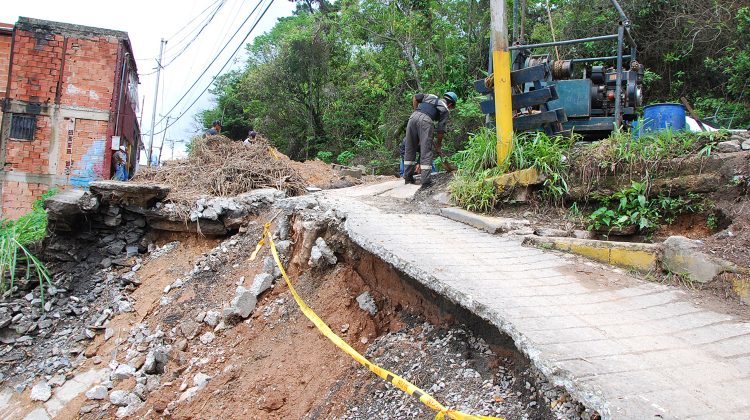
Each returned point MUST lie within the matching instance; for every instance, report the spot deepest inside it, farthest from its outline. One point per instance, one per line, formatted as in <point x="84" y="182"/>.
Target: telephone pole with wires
<point x="156" y="99"/>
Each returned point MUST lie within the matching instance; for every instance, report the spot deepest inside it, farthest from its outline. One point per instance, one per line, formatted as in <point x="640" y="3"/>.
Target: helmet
<point x="123" y="148"/>
<point x="451" y="96"/>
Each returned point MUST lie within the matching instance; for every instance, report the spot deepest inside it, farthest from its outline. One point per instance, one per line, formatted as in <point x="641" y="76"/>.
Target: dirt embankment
<point x="178" y="354"/>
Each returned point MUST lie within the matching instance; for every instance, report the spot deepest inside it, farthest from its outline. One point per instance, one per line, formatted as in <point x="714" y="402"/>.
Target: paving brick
<point x="629" y="348"/>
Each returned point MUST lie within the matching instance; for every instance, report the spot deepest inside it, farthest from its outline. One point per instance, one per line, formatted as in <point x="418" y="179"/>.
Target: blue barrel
<point x="658" y="117"/>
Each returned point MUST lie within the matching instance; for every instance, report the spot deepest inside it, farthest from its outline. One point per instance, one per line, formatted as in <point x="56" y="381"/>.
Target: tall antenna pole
<point x="156" y="98"/>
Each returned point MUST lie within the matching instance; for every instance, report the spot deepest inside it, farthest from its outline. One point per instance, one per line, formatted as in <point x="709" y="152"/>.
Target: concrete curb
<point x="636" y="256"/>
<point x="488" y="224"/>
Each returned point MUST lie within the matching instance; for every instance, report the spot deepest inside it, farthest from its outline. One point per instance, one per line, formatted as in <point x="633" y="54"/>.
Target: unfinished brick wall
<point x="18" y="196"/>
<point x="57" y="67"/>
<point x="5" y="38"/>
<point x="88" y="152"/>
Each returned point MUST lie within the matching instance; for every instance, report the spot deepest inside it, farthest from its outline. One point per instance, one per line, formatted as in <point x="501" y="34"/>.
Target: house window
<point x="22" y="127"/>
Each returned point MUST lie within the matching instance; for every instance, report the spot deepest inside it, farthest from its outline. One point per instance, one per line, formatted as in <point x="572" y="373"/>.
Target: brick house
<point x="69" y="97"/>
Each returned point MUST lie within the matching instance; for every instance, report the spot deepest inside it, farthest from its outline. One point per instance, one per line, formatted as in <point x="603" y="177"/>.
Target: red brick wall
<point x="82" y="72"/>
<point x="5" y="38"/>
<point x="18" y="196"/>
<point x="89" y="75"/>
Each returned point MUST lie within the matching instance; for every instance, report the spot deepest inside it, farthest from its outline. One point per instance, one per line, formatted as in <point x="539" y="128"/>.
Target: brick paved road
<point x="628" y="348"/>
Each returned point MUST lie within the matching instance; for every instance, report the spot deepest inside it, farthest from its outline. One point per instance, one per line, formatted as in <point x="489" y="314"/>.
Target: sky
<point x="187" y="53"/>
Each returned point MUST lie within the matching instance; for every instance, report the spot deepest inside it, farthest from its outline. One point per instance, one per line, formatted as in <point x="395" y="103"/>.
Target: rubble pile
<point x="454" y="366"/>
<point x="220" y="167"/>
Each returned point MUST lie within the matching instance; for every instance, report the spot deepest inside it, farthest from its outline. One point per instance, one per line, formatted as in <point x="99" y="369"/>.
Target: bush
<point x="324" y="156"/>
<point x="345" y="158"/>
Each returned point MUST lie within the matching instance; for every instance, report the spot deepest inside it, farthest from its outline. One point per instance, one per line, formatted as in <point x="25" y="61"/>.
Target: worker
<point x="250" y="137"/>
<point x="428" y="109"/>
<point x="215" y="128"/>
<point x="120" y="158"/>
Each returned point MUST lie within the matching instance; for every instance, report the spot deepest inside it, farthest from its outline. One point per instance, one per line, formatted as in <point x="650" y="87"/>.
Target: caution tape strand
<point x="388" y="376"/>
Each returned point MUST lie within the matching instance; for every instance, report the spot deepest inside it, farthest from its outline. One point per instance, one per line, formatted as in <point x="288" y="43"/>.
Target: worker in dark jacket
<point x="428" y="109"/>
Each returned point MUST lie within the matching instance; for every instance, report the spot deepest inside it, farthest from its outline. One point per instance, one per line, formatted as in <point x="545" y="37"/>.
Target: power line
<point x="221" y="69"/>
<point x="203" y="73"/>
<point x="196" y="17"/>
<point x="190" y="43"/>
<point x="204" y="22"/>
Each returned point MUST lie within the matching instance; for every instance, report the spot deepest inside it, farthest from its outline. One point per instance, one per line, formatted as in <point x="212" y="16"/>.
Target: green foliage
<point x="548" y="155"/>
<point x="15" y="238"/>
<point x="345" y="158"/>
<point x="471" y="186"/>
<point x="626" y="207"/>
<point x="326" y="157"/>
<point x="712" y="222"/>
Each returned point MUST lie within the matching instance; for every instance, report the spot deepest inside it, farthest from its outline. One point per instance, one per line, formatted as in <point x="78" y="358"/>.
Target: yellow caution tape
<point x="394" y="379"/>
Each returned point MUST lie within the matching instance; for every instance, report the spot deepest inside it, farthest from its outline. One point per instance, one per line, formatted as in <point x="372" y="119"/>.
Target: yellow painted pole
<point x="501" y="69"/>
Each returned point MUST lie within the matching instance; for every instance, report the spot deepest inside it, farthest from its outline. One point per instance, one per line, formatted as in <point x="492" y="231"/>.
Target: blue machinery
<point x="564" y="96"/>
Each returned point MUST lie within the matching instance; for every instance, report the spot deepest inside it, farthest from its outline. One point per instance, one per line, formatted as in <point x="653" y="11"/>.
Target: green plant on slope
<point x="626" y="207"/>
<point x="548" y="155"/>
<point x="15" y="237"/>
<point x="345" y="157"/>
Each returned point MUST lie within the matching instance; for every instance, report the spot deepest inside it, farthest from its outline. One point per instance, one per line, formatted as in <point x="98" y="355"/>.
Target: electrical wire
<point x="220" y="70"/>
<point x="204" y="22"/>
<point x="190" y="43"/>
<point x="203" y="73"/>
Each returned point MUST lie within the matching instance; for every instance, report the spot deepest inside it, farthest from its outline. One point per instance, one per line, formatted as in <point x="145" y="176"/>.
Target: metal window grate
<point x="22" y="127"/>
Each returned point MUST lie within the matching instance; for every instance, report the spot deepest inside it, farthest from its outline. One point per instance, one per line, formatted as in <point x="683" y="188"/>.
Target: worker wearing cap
<point x="121" y="164"/>
<point x="215" y="128"/>
<point x="428" y="109"/>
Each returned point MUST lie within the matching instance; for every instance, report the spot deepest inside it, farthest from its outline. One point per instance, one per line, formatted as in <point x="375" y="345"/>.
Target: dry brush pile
<point x="220" y="167"/>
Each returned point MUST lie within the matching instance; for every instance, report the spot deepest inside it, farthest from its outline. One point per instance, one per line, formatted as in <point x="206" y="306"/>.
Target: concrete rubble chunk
<point x="123" y="371"/>
<point x="41" y="391"/>
<point x="488" y="224"/>
<point x="129" y="193"/>
<point x="321" y="254"/>
<point x="201" y="379"/>
<point x="551" y="232"/>
<point x="119" y="397"/>
<point x="99" y="392"/>
<point x="156" y="360"/>
<point x="683" y="256"/>
<point x="207" y="337"/>
<point x="746" y="145"/>
<point x="261" y="283"/>
<point x="212" y="318"/>
<point x="367" y="303"/>
<point x="242" y="304"/>
<point x="729" y="146"/>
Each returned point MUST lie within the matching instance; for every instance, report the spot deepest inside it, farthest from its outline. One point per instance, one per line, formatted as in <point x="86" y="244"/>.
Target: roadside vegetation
<point x="17" y="238"/>
<point x="338" y="77"/>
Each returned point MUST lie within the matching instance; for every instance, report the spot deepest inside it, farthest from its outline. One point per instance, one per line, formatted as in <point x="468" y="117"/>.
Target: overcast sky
<point x="147" y="21"/>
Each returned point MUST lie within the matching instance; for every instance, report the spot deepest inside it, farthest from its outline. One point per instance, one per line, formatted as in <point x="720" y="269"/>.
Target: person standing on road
<point x="121" y="164"/>
<point x="428" y="109"/>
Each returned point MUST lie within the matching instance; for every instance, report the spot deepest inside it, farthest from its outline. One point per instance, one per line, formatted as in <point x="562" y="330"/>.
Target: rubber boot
<point x="426" y="178"/>
<point x="409" y="174"/>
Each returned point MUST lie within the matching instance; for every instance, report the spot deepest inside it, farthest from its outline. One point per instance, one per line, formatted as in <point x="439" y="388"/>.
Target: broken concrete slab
<point x="203" y="226"/>
<point x="242" y="304"/>
<point x="129" y="193"/>
<point x="486" y="223"/>
<point x="683" y="256"/>
<point x="641" y="257"/>
<point x="522" y="178"/>
<point x="321" y="254"/>
<point x="261" y="283"/>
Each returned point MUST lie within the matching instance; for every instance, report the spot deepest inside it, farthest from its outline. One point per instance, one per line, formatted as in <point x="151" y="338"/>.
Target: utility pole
<point x="158" y="160"/>
<point x="501" y="67"/>
<point x="156" y="98"/>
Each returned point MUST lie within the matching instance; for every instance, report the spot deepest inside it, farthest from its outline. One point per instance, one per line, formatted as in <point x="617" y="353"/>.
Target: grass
<point x="16" y="236"/>
<point x="472" y="187"/>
